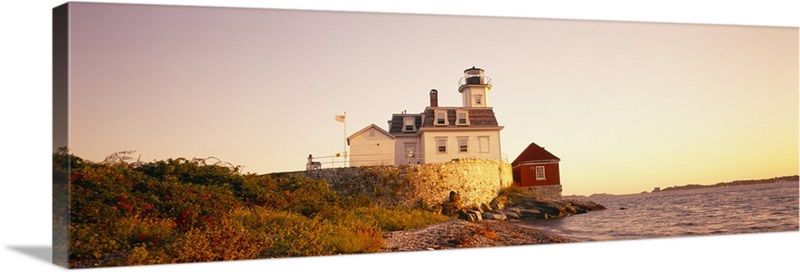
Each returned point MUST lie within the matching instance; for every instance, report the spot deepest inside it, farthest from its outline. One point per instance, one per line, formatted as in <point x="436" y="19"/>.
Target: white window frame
<point x="463" y="144"/>
<point x="539" y="171"/>
<point x="459" y="113"/>
<point x="437" y="118"/>
<point x="409" y="120"/>
<point x="441" y="145"/>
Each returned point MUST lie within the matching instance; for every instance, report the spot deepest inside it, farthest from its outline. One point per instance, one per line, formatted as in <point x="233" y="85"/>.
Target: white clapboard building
<point x="437" y="134"/>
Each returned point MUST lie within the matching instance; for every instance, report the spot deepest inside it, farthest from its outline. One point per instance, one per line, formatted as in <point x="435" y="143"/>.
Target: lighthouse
<point x="474" y="88"/>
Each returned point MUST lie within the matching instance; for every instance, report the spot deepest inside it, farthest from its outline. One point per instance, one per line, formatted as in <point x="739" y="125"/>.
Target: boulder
<point x="454" y="197"/>
<point x="468" y="216"/>
<point x="450" y="208"/>
<point x="498" y="203"/>
<point x="513" y="214"/>
<point x="477" y="214"/>
<point x="586" y="205"/>
<point x="494" y="215"/>
<point x="570" y="209"/>
<point x="522" y="207"/>
<point x="531" y="214"/>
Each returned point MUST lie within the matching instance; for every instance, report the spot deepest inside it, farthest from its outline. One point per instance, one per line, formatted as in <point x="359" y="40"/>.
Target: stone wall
<point x="552" y="192"/>
<point x="427" y="185"/>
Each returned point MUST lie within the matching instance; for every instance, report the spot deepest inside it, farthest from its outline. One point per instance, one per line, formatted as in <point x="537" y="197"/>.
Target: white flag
<point x="339" y="118"/>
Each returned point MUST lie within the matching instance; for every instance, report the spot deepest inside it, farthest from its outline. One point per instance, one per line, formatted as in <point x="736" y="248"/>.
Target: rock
<point x="587" y="205"/>
<point x="494" y="215"/>
<point x="550" y="208"/>
<point x="521" y="207"/>
<point x="471" y="215"/>
<point x="454" y="197"/>
<point x="497" y="204"/>
<point x="569" y="209"/>
<point x="531" y="214"/>
<point x="450" y="208"/>
<point x="513" y="214"/>
<point x="466" y="216"/>
<point x="477" y="214"/>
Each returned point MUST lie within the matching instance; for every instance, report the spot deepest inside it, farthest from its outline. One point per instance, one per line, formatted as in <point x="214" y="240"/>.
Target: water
<point x="722" y="210"/>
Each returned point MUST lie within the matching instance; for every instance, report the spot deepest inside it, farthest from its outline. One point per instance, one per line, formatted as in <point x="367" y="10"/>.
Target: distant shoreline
<point x="794" y="178"/>
<point x="727" y="184"/>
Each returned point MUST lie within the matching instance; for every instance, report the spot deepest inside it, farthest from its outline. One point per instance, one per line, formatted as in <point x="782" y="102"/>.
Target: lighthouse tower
<point x="474" y="88"/>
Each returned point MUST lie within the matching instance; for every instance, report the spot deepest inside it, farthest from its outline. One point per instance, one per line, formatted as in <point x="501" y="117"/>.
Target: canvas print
<point x="197" y="134"/>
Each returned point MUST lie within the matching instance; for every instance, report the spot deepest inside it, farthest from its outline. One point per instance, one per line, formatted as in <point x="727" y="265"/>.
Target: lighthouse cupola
<point x="474" y="88"/>
<point x="473" y="75"/>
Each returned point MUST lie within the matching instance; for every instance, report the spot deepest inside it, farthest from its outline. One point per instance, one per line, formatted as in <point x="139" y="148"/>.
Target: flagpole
<point x="343" y="119"/>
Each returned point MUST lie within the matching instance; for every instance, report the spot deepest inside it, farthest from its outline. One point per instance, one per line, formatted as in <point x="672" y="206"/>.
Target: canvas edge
<point x="60" y="59"/>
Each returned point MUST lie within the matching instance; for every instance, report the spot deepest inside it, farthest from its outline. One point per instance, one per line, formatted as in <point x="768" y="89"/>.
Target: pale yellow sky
<point x="626" y="106"/>
<point x="26" y="119"/>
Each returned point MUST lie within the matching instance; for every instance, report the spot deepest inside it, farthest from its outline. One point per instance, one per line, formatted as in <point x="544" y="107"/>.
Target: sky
<point x="627" y="106"/>
<point x="25" y="86"/>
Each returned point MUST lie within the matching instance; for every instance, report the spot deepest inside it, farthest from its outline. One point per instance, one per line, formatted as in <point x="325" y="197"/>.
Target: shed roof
<point x="534" y="152"/>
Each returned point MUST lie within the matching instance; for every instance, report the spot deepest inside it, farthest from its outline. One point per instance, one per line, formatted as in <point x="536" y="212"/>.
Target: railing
<point x="486" y="81"/>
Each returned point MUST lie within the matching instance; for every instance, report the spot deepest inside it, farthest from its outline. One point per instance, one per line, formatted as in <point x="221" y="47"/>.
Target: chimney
<point x="434" y="98"/>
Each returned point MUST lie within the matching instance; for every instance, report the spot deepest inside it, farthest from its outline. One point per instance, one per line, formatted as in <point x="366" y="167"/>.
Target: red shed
<point x="535" y="166"/>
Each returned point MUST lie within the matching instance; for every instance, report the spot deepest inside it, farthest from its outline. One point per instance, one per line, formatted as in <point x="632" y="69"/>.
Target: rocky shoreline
<point x="489" y="225"/>
<point x="519" y="206"/>
<point x="457" y="233"/>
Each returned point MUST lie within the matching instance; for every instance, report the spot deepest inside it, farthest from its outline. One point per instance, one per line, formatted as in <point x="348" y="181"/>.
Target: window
<point x="483" y="144"/>
<point x="441" y="145"/>
<point x="540" y="173"/>
<point x="478" y="99"/>
<point x="408" y="124"/>
<point x="410" y="149"/>
<point x="462" y="119"/>
<point x="441" y="118"/>
<point x="463" y="144"/>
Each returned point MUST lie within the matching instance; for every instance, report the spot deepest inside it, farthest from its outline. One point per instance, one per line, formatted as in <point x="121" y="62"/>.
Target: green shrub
<point x="182" y="210"/>
<point x="392" y="219"/>
<point x="355" y="237"/>
<point x="225" y="240"/>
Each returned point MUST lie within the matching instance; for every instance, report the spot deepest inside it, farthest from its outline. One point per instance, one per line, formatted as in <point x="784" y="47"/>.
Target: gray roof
<point x="478" y="117"/>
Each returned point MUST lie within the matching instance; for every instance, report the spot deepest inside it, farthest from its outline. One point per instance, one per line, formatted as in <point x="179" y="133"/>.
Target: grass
<point x="178" y="210"/>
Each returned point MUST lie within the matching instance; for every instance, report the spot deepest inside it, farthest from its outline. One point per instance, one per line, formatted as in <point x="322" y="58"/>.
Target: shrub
<point x="392" y="219"/>
<point x="355" y="236"/>
<point x="182" y="210"/>
<point x="226" y="240"/>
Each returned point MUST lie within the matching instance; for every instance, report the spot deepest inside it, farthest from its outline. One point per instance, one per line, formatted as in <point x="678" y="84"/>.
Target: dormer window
<point x="462" y="117"/>
<point x="409" y="124"/>
<point x="440" y="118"/>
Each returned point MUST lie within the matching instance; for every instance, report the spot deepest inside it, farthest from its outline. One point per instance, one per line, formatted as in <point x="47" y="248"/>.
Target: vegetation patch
<point x="179" y="210"/>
